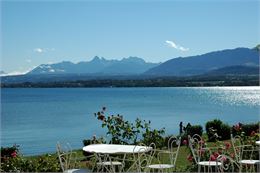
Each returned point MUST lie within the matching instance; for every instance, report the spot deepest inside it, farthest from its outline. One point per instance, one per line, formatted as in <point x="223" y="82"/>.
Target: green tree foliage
<point x="217" y="130"/>
<point x="257" y="47"/>
<point x="126" y="132"/>
<point x="13" y="161"/>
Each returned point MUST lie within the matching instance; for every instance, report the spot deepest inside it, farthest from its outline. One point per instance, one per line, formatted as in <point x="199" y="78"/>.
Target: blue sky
<point x="34" y="33"/>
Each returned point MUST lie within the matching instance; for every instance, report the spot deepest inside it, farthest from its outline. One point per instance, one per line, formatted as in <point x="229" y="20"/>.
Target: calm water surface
<point x="37" y="118"/>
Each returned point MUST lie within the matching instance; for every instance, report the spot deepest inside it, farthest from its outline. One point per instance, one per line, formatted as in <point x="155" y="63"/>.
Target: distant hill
<point x="200" y="64"/>
<point x="241" y="62"/>
<point x="235" y="70"/>
<point x="97" y="66"/>
<point x="2" y="73"/>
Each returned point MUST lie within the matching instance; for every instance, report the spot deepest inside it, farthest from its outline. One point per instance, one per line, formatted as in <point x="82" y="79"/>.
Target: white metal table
<point x="104" y="151"/>
<point x="116" y="149"/>
<point x="257" y="142"/>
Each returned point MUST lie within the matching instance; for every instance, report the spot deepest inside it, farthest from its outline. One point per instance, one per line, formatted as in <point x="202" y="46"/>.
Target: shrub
<point x="125" y="132"/>
<point x="194" y="129"/>
<point x="153" y="136"/>
<point x="246" y="129"/>
<point x="191" y="130"/>
<point x="94" y="140"/>
<point x="217" y="130"/>
<point x="225" y="131"/>
<point x="9" y="152"/>
<point x="13" y="161"/>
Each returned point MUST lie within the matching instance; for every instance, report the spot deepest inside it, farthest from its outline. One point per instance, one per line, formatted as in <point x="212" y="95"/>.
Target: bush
<point x="245" y="129"/>
<point x="94" y="140"/>
<point x="217" y="130"/>
<point x="191" y="130"/>
<point x="225" y="131"/>
<point x="248" y="129"/>
<point x="194" y="129"/>
<point x="125" y="132"/>
<point x="153" y="136"/>
<point x="13" y="161"/>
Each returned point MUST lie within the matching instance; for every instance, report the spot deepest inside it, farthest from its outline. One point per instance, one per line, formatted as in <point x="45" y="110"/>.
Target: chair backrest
<point x="144" y="157"/>
<point x="227" y="164"/>
<point x="196" y="145"/>
<point x="65" y="156"/>
<point x="241" y="150"/>
<point x="237" y="146"/>
<point x="173" y="148"/>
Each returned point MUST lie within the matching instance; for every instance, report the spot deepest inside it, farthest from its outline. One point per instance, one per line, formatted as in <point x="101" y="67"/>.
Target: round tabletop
<point x="116" y="149"/>
<point x="257" y="142"/>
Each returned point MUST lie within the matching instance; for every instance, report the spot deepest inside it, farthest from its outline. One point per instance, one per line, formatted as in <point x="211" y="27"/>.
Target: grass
<point x="182" y="164"/>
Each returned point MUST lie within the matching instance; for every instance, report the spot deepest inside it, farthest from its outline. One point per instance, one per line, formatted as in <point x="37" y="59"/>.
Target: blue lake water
<point x="37" y="118"/>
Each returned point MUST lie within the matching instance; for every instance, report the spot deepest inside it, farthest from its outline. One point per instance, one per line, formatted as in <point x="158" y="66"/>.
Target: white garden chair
<point x="67" y="159"/>
<point x="240" y="151"/>
<point x="142" y="158"/>
<point x="107" y="163"/>
<point x="167" y="158"/>
<point x="196" y="146"/>
<point x="227" y="164"/>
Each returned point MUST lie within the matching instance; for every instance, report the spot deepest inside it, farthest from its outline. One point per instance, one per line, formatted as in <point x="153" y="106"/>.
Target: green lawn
<point x="182" y="164"/>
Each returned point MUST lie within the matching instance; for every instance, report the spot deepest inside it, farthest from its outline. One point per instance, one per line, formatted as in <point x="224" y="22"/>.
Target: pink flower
<point x="212" y="158"/>
<point x="224" y="159"/>
<point x="227" y="145"/>
<point x="184" y="142"/>
<point x="14" y="154"/>
<point x="216" y="154"/>
<point x="252" y="133"/>
<point x="190" y="158"/>
<point x="232" y="155"/>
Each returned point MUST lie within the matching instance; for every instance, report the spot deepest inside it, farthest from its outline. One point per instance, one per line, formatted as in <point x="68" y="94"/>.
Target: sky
<point x="41" y="32"/>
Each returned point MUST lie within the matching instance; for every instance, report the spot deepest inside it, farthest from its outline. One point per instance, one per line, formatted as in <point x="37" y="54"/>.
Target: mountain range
<point x="201" y="64"/>
<point x="2" y="73"/>
<point x="182" y="66"/>
<point x="97" y="66"/>
<point x="229" y="62"/>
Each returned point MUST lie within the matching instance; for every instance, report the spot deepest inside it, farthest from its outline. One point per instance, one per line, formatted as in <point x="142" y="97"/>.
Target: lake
<point x="37" y="118"/>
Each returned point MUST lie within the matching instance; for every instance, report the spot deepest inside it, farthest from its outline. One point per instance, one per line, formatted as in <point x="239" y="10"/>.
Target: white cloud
<point x="42" y="50"/>
<point x="183" y="49"/>
<point x="38" y="50"/>
<point x="171" y="44"/>
<point x="175" y="46"/>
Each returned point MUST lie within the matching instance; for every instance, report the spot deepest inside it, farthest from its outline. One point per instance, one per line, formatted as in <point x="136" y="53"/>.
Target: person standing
<point x="181" y="128"/>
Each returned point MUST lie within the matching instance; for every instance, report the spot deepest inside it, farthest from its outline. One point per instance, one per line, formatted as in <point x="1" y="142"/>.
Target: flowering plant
<point x="13" y="161"/>
<point x="125" y="132"/>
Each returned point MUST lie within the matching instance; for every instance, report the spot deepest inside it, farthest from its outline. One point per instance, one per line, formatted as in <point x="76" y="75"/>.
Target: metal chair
<point x="143" y="157"/>
<point x="108" y="163"/>
<point x="166" y="159"/>
<point x="196" y="145"/>
<point x="67" y="160"/>
<point x="227" y="164"/>
<point x="240" y="150"/>
<point x="105" y="162"/>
